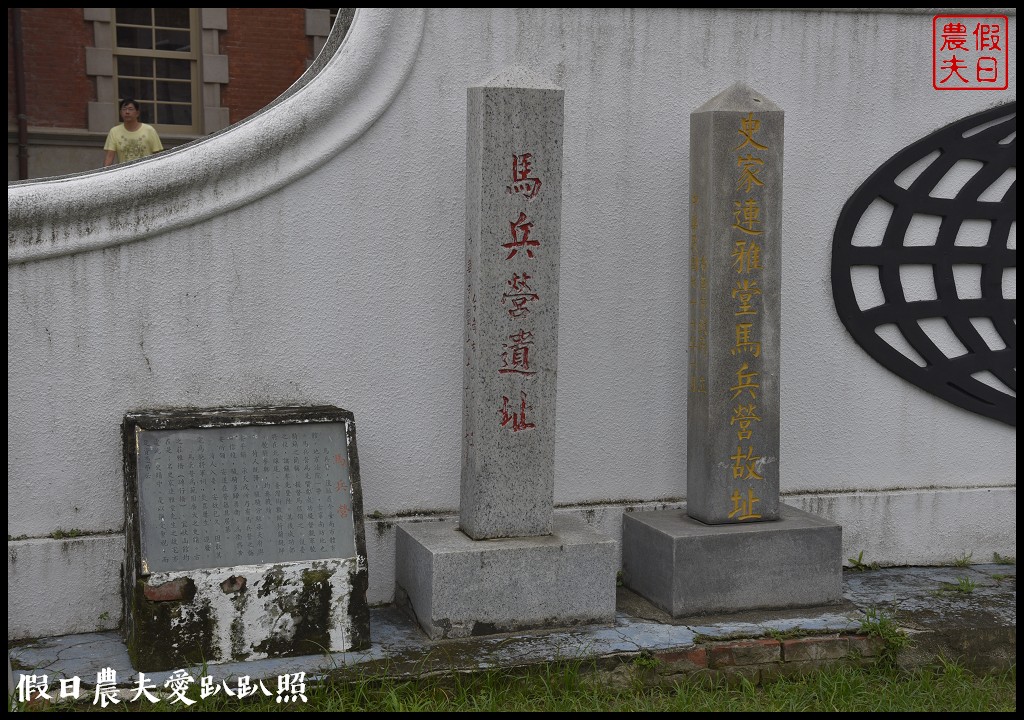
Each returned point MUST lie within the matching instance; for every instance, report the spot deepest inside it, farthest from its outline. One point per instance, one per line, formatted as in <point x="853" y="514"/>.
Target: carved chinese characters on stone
<point x="745" y="463"/>
<point x="522" y="182"/>
<point x="519" y="296"/>
<point x="215" y="497"/>
<point x="513" y="216"/>
<point x="242" y="522"/>
<point x="734" y="326"/>
<point x="698" y="306"/>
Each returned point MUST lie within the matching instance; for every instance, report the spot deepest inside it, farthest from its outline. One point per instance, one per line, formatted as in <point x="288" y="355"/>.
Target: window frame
<point x="193" y="56"/>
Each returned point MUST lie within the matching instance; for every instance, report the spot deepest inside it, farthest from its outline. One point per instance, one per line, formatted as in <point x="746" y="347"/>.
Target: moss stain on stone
<point x="238" y="651"/>
<point x="308" y="611"/>
<point x="169" y="635"/>
<point x="271" y="582"/>
<point x="315" y="601"/>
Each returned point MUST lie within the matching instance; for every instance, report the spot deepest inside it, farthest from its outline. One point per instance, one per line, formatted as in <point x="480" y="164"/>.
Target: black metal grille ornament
<point x="987" y="141"/>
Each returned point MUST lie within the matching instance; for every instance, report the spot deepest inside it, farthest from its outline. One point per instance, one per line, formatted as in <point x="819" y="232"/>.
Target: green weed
<point x="878" y="624"/>
<point x="859" y="565"/>
<point x="963" y="560"/>
<point x="962" y="585"/>
<point x="646" y="661"/>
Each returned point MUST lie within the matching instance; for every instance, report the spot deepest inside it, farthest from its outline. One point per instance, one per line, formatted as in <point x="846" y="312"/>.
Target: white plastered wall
<point x="314" y="254"/>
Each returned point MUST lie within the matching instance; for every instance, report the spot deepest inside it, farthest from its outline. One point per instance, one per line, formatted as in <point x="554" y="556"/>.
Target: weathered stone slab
<point x="688" y="568"/>
<point x="458" y="587"/>
<point x="245" y="535"/>
<point x="732" y="442"/>
<point x="513" y="218"/>
<point x="242" y="495"/>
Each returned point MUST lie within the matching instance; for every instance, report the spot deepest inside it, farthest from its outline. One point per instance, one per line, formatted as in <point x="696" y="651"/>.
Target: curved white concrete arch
<point x="287" y="140"/>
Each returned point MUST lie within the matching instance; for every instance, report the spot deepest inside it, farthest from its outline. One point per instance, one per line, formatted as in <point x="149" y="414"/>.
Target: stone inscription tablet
<point x="242" y="495"/>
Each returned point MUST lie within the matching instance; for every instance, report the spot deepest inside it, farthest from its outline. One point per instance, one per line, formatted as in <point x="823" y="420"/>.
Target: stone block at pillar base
<point x="688" y="568"/>
<point x="458" y="587"/>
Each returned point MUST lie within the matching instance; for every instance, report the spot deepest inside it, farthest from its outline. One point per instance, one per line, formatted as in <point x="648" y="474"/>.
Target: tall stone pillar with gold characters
<point x="732" y="439"/>
<point x="734" y="545"/>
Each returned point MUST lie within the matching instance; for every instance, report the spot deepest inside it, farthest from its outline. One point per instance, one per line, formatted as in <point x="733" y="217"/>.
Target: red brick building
<point x="194" y="71"/>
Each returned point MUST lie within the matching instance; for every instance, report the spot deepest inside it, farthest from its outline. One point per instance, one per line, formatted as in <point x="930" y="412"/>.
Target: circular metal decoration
<point x="924" y="264"/>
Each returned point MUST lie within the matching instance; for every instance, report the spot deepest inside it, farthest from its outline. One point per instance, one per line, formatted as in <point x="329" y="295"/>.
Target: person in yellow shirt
<point x="132" y="139"/>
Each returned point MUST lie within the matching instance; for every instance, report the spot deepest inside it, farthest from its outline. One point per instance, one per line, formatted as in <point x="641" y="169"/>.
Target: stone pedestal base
<point x="688" y="568"/>
<point x="458" y="587"/>
<point x="183" y="618"/>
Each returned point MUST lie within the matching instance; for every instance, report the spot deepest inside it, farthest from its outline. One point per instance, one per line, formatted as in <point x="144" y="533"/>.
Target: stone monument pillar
<point x="513" y="220"/>
<point x="509" y="563"/>
<point x="735" y="546"/>
<point x="732" y="439"/>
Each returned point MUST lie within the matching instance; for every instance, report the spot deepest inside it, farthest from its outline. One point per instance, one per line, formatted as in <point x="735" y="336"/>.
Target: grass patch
<point x="962" y="585"/>
<point x="1003" y="559"/>
<point x="579" y="687"/>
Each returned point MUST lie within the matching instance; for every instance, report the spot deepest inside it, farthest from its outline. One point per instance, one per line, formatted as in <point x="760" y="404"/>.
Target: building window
<point x="156" y="61"/>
